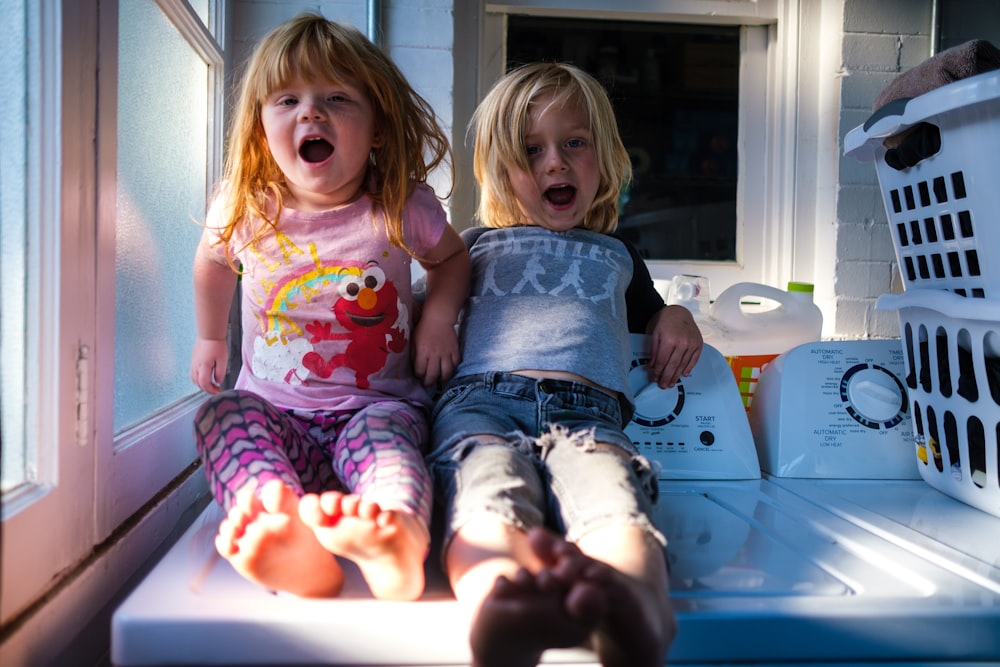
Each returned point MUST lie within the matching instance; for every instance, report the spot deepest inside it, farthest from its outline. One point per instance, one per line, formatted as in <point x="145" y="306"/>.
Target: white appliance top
<point x="764" y="570"/>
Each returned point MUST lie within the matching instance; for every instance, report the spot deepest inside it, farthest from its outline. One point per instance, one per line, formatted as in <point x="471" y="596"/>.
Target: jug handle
<point x="726" y="306"/>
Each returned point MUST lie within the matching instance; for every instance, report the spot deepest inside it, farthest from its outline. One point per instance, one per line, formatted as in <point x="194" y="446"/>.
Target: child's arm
<point x="214" y="284"/>
<point x="675" y="345"/>
<point x="435" y="342"/>
<point x="675" y="340"/>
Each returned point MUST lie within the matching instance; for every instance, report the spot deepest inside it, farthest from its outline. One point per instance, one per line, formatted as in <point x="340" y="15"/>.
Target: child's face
<point x="563" y="176"/>
<point x="320" y="134"/>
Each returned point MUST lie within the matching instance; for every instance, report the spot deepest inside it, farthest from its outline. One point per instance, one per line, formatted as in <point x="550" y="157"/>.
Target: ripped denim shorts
<point x="554" y="454"/>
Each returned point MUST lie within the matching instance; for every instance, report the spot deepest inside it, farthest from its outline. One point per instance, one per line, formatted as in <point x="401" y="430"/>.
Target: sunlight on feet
<point x="264" y="540"/>
<point x="388" y="546"/>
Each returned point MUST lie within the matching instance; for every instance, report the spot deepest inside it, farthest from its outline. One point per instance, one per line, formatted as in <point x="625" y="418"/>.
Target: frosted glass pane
<point x="202" y="9"/>
<point x="13" y="212"/>
<point x="162" y="172"/>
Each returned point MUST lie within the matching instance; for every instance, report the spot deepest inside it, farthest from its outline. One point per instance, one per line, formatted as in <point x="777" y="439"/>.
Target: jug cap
<point x="800" y="287"/>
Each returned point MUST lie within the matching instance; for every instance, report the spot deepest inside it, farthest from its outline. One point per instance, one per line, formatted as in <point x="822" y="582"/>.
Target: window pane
<point x="202" y="8"/>
<point x="962" y="20"/>
<point x="162" y="182"/>
<point x="675" y="88"/>
<point x="13" y="215"/>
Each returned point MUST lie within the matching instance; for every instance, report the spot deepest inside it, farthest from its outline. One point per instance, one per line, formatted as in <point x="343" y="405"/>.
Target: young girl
<point x="318" y="450"/>
<point x="529" y="433"/>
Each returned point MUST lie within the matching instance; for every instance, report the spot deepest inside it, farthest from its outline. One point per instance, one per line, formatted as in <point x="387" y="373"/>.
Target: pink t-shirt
<point x="327" y="307"/>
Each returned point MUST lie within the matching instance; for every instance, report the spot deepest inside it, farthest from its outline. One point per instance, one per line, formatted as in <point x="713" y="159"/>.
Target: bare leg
<point x="639" y="625"/>
<point x="389" y="546"/>
<point x="266" y="542"/>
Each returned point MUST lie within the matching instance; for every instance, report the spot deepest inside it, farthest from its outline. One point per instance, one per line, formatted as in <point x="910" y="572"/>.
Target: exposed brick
<point x="871" y="53"/>
<point x="883" y="323"/>
<point x="907" y="17"/>
<point x="861" y="203"/>
<point x="852" y="315"/>
<point x="863" y="279"/>
<point x="425" y="68"/>
<point x="859" y="90"/>
<point x="856" y="172"/>
<point x="419" y="26"/>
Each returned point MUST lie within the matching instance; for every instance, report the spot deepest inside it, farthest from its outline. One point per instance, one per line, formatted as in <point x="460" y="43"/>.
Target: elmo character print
<point x="368" y="308"/>
<point x="325" y="323"/>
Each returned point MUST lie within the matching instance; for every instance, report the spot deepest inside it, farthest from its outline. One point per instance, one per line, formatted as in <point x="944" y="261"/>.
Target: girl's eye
<point x="532" y="150"/>
<point x="287" y="101"/>
<point x="574" y="143"/>
<point x="336" y="98"/>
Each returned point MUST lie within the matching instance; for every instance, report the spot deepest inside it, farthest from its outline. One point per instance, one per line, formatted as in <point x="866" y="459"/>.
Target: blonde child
<point x="548" y="529"/>
<point x="317" y="452"/>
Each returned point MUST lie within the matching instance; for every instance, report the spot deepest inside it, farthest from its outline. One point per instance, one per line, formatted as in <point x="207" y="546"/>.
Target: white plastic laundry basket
<point x="951" y="349"/>
<point x="944" y="211"/>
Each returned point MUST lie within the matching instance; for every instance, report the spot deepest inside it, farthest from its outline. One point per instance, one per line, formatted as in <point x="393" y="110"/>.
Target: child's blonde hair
<point x="501" y="122"/>
<point x="410" y="142"/>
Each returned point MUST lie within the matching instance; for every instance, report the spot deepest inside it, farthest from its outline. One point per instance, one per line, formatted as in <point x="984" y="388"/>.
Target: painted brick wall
<point x="881" y="39"/>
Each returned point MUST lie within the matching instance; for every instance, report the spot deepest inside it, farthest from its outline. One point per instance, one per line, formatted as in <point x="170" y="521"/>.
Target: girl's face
<point x="561" y="182"/>
<point x="320" y="134"/>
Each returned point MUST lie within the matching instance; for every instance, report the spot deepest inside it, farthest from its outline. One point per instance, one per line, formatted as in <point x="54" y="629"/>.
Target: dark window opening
<point x="675" y="89"/>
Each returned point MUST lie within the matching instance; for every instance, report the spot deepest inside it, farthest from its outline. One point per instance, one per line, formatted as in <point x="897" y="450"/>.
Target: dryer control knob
<point x="875" y="394"/>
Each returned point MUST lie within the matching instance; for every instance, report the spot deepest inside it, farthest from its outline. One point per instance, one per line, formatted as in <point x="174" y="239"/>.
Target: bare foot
<point x="266" y="542"/>
<point x="638" y="625"/>
<point x="388" y="546"/>
<point x="540" y="611"/>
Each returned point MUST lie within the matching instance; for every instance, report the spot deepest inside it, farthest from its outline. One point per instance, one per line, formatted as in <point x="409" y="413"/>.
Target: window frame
<point x="88" y="480"/>
<point x="143" y="458"/>
<point x="59" y="314"/>
<point x="772" y="248"/>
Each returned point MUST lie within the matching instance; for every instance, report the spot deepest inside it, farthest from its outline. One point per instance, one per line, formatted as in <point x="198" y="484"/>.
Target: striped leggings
<point x="374" y="452"/>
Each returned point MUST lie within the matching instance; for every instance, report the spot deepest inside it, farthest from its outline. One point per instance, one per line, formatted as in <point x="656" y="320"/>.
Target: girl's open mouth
<point x="315" y="150"/>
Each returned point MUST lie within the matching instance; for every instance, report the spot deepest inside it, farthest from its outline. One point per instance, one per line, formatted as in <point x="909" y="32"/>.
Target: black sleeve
<point x="470" y="235"/>
<point x="641" y="298"/>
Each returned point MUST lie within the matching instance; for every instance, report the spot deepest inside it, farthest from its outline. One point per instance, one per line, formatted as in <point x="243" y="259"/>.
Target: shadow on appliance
<point x="795" y="566"/>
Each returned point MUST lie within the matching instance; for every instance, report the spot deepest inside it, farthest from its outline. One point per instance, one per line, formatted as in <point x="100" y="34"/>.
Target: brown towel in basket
<point x="959" y="62"/>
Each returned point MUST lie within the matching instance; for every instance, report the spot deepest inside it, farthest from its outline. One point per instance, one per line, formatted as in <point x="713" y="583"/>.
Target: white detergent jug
<point x="750" y="335"/>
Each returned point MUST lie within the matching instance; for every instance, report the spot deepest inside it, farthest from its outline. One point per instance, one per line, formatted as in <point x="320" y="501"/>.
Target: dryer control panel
<point x="698" y="428"/>
<point x="835" y="409"/>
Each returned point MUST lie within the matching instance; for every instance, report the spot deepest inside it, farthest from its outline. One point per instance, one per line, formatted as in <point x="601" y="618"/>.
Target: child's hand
<point x="208" y="364"/>
<point x="435" y="350"/>
<point x="675" y="345"/>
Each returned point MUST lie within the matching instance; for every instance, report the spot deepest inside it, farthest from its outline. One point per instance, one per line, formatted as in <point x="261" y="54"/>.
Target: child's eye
<point x="337" y="97"/>
<point x="287" y="101"/>
<point x="532" y="150"/>
<point x="575" y="143"/>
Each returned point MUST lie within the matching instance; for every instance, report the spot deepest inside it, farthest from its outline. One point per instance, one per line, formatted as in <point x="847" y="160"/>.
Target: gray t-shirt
<point x="547" y="300"/>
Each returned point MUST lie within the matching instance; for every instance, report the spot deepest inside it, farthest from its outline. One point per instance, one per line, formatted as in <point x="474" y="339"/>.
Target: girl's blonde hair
<point x="500" y="124"/>
<point x="410" y="141"/>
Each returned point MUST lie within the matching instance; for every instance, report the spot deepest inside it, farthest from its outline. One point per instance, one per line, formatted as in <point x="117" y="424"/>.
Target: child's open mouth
<point x="560" y="195"/>
<point x="315" y="150"/>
